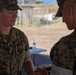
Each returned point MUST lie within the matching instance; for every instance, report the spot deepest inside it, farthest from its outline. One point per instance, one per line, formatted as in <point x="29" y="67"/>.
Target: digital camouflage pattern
<point x="63" y="54"/>
<point x="12" y="52"/>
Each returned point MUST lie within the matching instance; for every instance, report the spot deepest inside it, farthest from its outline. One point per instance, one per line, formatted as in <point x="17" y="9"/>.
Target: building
<point x="33" y="13"/>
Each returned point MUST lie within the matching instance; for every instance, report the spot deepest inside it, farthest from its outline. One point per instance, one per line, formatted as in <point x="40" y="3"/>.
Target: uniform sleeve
<point x="52" y="51"/>
<point x="27" y="52"/>
<point x="62" y="55"/>
<point x="27" y="55"/>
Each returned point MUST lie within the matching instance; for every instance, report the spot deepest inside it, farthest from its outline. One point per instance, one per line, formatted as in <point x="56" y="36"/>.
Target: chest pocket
<point x="19" y="50"/>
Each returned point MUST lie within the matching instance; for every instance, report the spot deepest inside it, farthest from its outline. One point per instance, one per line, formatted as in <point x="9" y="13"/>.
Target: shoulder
<point x="18" y="32"/>
<point x="65" y="41"/>
<point x="69" y="39"/>
<point x="21" y="37"/>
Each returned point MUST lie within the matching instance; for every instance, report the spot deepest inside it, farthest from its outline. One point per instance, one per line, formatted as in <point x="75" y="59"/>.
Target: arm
<point x="28" y="66"/>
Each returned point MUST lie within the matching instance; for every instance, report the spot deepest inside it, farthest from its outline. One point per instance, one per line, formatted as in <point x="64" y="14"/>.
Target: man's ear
<point x="70" y="11"/>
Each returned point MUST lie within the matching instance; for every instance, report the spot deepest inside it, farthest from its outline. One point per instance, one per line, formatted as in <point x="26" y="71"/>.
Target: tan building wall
<point x="31" y="10"/>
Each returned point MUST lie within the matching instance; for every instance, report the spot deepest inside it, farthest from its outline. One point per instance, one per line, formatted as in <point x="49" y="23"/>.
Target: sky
<point x="49" y="1"/>
<point x="44" y="1"/>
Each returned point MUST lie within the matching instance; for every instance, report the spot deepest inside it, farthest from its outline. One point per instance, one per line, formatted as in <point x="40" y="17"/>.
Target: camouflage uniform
<point x="63" y="54"/>
<point x="13" y="50"/>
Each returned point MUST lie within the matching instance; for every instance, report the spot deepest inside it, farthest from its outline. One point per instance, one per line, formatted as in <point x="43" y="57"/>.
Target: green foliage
<point x="38" y="2"/>
<point x="25" y="1"/>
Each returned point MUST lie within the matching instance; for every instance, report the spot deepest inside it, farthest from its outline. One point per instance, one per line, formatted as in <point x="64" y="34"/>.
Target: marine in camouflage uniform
<point x="63" y="53"/>
<point x="13" y="50"/>
<point x="14" y="46"/>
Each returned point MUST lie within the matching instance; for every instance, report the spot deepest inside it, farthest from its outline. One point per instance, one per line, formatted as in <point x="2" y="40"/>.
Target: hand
<point x="40" y="71"/>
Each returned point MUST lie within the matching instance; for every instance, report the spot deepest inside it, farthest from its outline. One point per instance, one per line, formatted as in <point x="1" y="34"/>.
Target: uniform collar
<point x="12" y="36"/>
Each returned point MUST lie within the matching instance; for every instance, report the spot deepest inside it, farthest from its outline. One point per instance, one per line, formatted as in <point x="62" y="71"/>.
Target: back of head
<point x="9" y="4"/>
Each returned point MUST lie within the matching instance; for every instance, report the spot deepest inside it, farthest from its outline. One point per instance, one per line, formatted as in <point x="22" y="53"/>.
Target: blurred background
<point x="37" y="20"/>
<point x="36" y="12"/>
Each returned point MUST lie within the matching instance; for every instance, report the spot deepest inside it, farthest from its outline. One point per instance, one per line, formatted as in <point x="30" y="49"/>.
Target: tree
<point x="38" y="2"/>
<point x="25" y="1"/>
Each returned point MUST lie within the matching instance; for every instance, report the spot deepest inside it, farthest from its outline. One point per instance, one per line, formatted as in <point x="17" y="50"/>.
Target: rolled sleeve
<point x="27" y="55"/>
